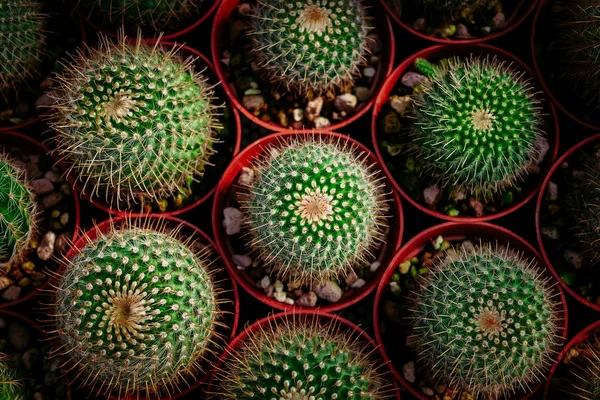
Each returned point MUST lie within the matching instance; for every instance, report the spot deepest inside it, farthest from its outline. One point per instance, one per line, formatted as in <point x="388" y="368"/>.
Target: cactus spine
<point x="584" y="372"/>
<point x="11" y="384"/>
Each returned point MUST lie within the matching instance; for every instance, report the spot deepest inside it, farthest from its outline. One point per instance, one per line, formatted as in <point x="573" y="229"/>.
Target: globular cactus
<point x="314" y="209"/>
<point x="313" y="45"/>
<point x="583" y="374"/>
<point x="477" y="124"/>
<point x="11" y="383"/>
<point x="136" y="310"/>
<point x="134" y="122"/>
<point x="485" y="320"/>
<point x="298" y="358"/>
<point x="18" y="212"/>
<point x="156" y="14"/>
<point x="22" y="40"/>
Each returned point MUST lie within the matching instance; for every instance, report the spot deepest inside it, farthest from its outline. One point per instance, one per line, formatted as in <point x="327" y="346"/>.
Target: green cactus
<point x="314" y="209"/>
<point x="156" y="14"/>
<point x="11" y="384"/>
<point x="477" y="124"/>
<point x="136" y="310"/>
<point x="18" y="212"/>
<point x="134" y="122"/>
<point x="485" y="320"/>
<point x="298" y="358"/>
<point x="583" y="374"/>
<point x="314" y="45"/>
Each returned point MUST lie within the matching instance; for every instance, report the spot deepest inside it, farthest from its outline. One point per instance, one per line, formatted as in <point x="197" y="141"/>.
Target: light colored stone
<point x="574" y="258"/>
<point x="278" y="286"/>
<point x="41" y="186"/>
<point x="427" y="391"/>
<point x="369" y="72"/>
<point x="462" y="30"/>
<point x="549" y="232"/>
<point x="280" y="296"/>
<point x="346" y="102"/>
<point x="360" y="282"/>
<point x="542" y="146"/>
<point x="498" y="21"/>
<point x="253" y="103"/>
<point x="362" y="93"/>
<point x="477" y="206"/>
<point x="298" y="114"/>
<point x="313" y="108"/>
<point x="374" y="266"/>
<point x="420" y="24"/>
<point x="53" y="176"/>
<point x="64" y="219"/>
<point x="289" y="301"/>
<point x="412" y="79"/>
<point x="432" y="195"/>
<point x="242" y="260"/>
<point x="12" y="293"/>
<point x="400" y="103"/>
<point x="329" y="291"/>
<point x="52" y="199"/>
<point x="552" y="191"/>
<point x="351" y="278"/>
<point x="408" y="371"/>
<point x="46" y="248"/>
<point x="232" y="220"/>
<point x="246" y="176"/>
<point x="307" y="300"/>
<point x="264" y="282"/>
<point x="321" y="122"/>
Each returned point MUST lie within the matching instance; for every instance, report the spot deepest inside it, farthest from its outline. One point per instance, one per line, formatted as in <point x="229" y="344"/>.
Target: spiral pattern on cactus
<point x="314" y="208"/>
<point x="486" y="320"/>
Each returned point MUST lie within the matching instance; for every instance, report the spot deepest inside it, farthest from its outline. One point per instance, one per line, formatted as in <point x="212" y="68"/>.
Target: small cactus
<point x="134" y="122"/>
<point x="298" y="358"/>
<point x="18" y="212"/>
<point x="314" y="45"/>
<point x="11" y="384"/>
<point x="477" y="124"/>
<point x="136" y="310"/>
<point x="22" y="39"/>
<point x="485" y="320"/>
<point x="314" y="209"/>
<point x="583" y="374"/>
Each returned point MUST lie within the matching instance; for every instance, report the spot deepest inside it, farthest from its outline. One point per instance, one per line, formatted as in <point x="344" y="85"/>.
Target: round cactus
<point x="314" y="45"/>
<point x="583" y="382"/>
<point x="22" y="39"/>
<point x="477" y="124"/>
<point x="314" y="209"/>
<point x="136" y="310"/>
<point x="298" y="358"/>
<point x="485" y="320"/>
<point x="11" y="385"/>
<point x="134" y="122"/>
<point x="17" y="212"/>
<point x="157" y="14"/>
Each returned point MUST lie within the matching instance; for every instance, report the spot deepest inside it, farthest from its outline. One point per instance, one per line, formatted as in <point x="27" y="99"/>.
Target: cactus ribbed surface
<point x="11" y="385"/>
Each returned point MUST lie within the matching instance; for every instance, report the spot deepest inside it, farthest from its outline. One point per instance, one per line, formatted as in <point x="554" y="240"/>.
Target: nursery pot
<point x="450" y="231"/>
<point x="236" y="133"/>
<point x="231" y="308"/>
<point x="8" y="138"/>
<point x="570" y="109"/>
<point x="386" y="35"/>
<point x="41" y="335"/>
<point x="167" y="36"/>
<point x="581" y="336"/>
<point x="540" y="202"/>
<point x="320" y="316"/>
<point x="524" y="8"/>
<point x="223" y="193"/>
<point x="438" y="52"/>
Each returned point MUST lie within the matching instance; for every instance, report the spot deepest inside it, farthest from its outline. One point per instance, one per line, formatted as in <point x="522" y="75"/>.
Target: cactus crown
<point x="584" y="372"/>
<point x="485" y="320"/>
<point x="313" y="45"/>
<point x="136" y="310"/>
<point x="18" y="212"/>
<point x="314" y="208"/>
<point x="11" y="385"/>
<point x="299" y="358"/>
<point x="134" y="121"/>
<point x="22" y="39"/>
<point x="157" y="14"/>
<point x="476" y="125"/>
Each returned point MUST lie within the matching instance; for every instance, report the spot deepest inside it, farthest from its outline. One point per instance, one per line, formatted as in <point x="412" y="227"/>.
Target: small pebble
<point x="65" y="189"/>
<point x="241" y="260"/>
<point x="549" y="232"/>
<point x="278" y="286"/>
<point x="52" y="200"/>
<point x="12" y="293"/>
<point x="46" y="248"/>
<point x="28" y="266"/>
<point x="232" y="220"/>
<point x="476" y="206"/>
<point x="346" y="102"/>
<point x="33" y="170"/>
<point x="321" y="122"/>
<point x="253" y="103"/>
<point x="53" y="176"/>
<point x="265" y="282"/>
<point x="298" y="114"/>
<point x="400" y="103"/>
<point x="280" y="296"/>
<point x="412" y="79"/>
<point x="289" y="301"/>
<point x="18" y="335"/>
<point x="328" y="290"/>
<point x="542" y="147"/>
<point x="498" y="21"/>
<point x="358" y="283"/>
<point x="420" y="24"/>
<point x="486" y="29"/>
<point x="427" y="391"/>
<point x="573" y="258"/>
<point x="432" y="195"/>
<point x="408" y="371"/>
<point x="362" y="93"/>
<point x="64" y="219"/>
<point x="404" y="267"/>
<point x="351" y="278"/>
<point x="307" y="300"/>
<point x="552" y="191"/>
<point x="369" y="72"/>
<point x="462" y="30"/>
<point x="374" y="266"/>
<point x="313" y="108"/>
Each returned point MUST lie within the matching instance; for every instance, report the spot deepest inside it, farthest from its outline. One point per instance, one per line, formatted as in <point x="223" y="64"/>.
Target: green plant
<point x="477" y="123"/>
<point x="314" y="208"/>
<point x="583" y="379"/>
<point x="315" y="45"/>
<point x="300" y="358"/>
<point x="22" y="39"/>
<point x="136" y="310"/>
<point x="11" y="386"/>
<point x="134" y="122"/>
<point x="485" y="319"/>
<point x="18" y="211"/>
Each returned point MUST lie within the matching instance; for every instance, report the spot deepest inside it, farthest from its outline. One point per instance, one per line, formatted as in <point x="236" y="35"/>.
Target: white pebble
<point x="360" y="282"/>
<point x="232" y="220"/>
<point x="375" y="266"/>
<point x="264" y="282"/>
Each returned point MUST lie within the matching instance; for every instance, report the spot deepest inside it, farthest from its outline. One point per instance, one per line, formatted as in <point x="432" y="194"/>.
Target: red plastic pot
<point x="384" y="26"/>
<point x="524" y="9"/>
<point x="166" y="36"/>
<point x="8" y="138"/>
<point x="102" y="205"/>
<point x="42" y="334"/>
<point x="232" y="310"/>
<point x="244" y="159"/>
<point x="581" y="336"/>
<point x="438" y="52"/>
<point x="538" y="208"/>
<point x="453" y="231"/>
<point x="321" y="317"/>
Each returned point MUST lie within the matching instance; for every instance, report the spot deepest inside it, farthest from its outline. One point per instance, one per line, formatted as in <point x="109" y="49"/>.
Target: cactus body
<point x="11" y="385"/>
<point x="485" y="320"/>
<point x="583" y="379"/>
<point x="22" y="39"/>
<point x="311" y="45"/>
<point x="17" y="212"/>
<point x="299" y="359"/>
<point x="134" y="122"/>
<point x="477" y="123"/>
<point x="314" y="209"/>
<point x="136" y="310"/>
